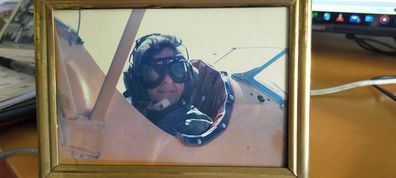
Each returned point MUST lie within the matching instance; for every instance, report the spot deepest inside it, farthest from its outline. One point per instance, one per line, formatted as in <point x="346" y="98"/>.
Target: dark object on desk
<point x="383" y="90"/>
<point x="17" y="66"/>
<point x="374" y="45"/>
<point x="18" y="113"/>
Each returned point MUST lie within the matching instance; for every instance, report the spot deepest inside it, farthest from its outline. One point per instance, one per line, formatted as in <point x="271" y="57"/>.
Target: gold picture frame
<point x="48" y="51"/>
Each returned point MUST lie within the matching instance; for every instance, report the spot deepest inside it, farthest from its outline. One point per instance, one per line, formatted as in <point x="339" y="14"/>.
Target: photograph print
<point x="189" y="86"/>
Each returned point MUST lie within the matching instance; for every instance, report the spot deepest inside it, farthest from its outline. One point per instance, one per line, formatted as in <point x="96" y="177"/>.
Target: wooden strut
<point x="117" y="65"/>
<point x="86" y="134"/>
<point x="69" y="108"/>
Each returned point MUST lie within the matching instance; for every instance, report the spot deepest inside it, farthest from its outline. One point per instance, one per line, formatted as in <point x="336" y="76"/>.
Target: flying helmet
<point x="144" y="72"/>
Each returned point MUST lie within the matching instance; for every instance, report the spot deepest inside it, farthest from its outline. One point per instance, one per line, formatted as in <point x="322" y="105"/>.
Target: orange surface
<point x="352" y="132"/>
<point x="5" y="170"/>
<point x="21" y="135"/>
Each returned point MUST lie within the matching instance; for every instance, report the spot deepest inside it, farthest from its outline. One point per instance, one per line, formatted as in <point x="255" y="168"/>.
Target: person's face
<point x="168" y="89"/>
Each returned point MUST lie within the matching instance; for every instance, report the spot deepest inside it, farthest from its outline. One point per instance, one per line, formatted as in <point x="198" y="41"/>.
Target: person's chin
<point x="173" y="99"/>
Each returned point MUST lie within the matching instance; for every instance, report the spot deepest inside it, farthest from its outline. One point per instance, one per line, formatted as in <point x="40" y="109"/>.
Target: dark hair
<point x="148" y="46"/>
<point x="145" y="48"/>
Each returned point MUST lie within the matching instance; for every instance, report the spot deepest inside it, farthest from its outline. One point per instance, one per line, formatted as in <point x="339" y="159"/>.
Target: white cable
<point x="18" y="151"/>
<point x="348" y="86"/>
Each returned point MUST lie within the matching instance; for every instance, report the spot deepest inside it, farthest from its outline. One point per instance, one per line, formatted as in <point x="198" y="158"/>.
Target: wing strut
<point x="249" y="78"/>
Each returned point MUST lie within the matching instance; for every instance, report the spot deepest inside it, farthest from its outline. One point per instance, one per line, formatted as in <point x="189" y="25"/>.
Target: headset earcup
<point x="194" y="74"/>
<point x="128" y="84"/>
<point x="135" y="90"/>
<point x="190" y="85"/>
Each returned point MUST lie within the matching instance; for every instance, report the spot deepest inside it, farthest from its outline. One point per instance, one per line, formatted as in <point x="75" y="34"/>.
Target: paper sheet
<point x="15" y="86"/>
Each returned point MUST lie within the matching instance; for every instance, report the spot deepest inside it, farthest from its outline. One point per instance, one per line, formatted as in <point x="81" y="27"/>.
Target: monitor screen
<point x="366" y="17"/>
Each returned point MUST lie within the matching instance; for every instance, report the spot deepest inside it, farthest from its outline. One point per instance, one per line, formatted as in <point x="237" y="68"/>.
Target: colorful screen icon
<point x="340" y="18"/>
<point x="369" y="18"/>
<point x="315" y="15"/>
<point x="326" y="16"/>
<point x="354" y="19"/>
<point x="384" y="19"/>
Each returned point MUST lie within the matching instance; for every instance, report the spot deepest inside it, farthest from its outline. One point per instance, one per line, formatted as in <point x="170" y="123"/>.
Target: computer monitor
<point x="365" y="17"/>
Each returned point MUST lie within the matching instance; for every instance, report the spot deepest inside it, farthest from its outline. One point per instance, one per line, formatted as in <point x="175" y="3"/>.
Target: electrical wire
<point x="365" y="43"/>
<point x="348" y="86"/>
<point x="18" y="151"/>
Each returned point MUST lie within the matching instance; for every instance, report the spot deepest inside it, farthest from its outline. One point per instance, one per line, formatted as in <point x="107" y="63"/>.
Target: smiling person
<point x="159" y="83"/>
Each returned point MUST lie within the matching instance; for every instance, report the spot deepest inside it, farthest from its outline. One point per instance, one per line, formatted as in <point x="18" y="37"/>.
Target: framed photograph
<point x="173" y="89"/>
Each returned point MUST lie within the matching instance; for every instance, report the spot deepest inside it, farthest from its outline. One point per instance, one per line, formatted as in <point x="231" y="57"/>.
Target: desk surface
<point x="22" y="135"/>
<point x="352" y="132"/>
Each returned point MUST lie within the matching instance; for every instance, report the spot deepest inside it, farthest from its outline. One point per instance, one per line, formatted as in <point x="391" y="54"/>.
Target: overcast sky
<point x="207" y="33"/>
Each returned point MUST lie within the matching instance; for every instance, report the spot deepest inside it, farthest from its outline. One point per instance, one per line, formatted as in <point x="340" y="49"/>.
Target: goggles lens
<point x="152" y="74"/>
<point x="178" y="71"/>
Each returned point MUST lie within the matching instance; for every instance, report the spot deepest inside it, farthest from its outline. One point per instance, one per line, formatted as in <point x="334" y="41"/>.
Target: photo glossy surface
<point x="248" y="44"/>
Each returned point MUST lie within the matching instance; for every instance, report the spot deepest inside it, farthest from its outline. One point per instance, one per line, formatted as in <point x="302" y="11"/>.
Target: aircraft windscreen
<point x="244" y="59"/>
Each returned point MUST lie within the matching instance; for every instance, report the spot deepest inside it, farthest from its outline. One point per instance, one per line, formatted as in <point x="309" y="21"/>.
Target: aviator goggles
<point x="152" y="74"/>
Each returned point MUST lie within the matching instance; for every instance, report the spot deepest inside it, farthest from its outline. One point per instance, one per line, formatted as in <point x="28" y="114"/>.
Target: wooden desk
<point x="21" y="135"/>
<point x="353" y="133"/>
